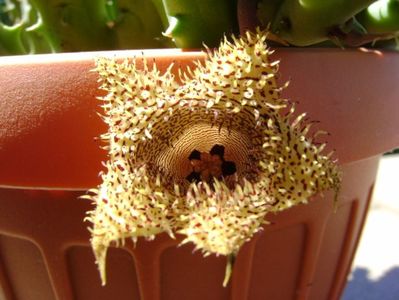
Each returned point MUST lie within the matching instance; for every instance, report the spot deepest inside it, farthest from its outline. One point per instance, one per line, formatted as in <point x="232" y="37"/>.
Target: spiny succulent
<point x="165" y="131"/>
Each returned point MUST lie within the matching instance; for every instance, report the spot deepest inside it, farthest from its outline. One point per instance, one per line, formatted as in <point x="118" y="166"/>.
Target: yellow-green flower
<point x="206" y="155"/>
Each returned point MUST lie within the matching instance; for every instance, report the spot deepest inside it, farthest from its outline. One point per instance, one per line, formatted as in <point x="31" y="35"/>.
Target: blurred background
<point x="375" y="270"/>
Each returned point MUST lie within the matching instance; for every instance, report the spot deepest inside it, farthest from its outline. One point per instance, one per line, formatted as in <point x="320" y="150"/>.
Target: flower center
<point x="209" y="166"/>
<point x="204" y="152"/>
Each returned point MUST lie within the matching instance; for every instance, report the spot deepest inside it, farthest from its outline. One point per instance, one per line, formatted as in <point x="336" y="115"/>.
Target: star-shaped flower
<point x="206" y="155"/>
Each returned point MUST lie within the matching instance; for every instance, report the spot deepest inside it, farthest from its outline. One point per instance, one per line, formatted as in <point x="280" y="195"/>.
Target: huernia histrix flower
<point x="206" y="155"/>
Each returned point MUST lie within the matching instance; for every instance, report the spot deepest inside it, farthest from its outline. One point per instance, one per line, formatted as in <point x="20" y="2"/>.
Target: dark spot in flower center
<point x="207" y="166"/>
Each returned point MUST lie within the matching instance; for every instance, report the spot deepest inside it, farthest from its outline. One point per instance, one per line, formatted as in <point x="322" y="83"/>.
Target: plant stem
<point x="267" y="10"/>
<point x="11" y="42"/>
<point x="307" y="22"/>
<point x="381" y="17"/>
<point x="193" y="23"/>
<point x="74" y="25"/>
<point x="16" y="17"/>
<point x="139" y="24"/>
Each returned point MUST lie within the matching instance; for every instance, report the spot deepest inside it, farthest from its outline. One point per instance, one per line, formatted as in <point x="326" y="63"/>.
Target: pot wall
<point x="305" y="254"/>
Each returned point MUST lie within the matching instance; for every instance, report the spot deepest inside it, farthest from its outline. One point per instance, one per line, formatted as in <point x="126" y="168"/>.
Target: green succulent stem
<point x="139" y="24"/>
<point x="307" y="22"/>
<point x="11" y="42"/>
<point x="267" y="10"/>
<point x="382" y="17"/>
<point x="42" y="26"/>
<point x="74" y="25"/>
<point x="15" y="17"/>
<point x="4" y="16"/>
<point x="161" y="12"/>
<point x="193" y="23"/>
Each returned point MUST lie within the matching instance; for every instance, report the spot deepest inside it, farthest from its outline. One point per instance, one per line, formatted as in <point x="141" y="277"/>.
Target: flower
<point x="206" y="155"/>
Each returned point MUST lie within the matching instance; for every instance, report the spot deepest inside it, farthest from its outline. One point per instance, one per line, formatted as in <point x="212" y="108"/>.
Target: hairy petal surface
<point x="156" y="122"/>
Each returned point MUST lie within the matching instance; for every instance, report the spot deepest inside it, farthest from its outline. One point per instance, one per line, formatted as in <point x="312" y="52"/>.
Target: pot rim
<point x="165" y="52"/>
<point x="36" y="130"/>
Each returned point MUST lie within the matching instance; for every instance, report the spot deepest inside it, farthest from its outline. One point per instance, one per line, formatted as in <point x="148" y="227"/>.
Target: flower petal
<point x="220" y="220"/>
<point x="231" y="102"/>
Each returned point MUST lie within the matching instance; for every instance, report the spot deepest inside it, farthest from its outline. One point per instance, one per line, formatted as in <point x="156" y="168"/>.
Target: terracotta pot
<point x="49" y="156"/>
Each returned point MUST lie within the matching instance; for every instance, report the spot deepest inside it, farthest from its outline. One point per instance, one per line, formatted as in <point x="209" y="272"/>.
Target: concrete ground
<point x="375" y="272"/>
